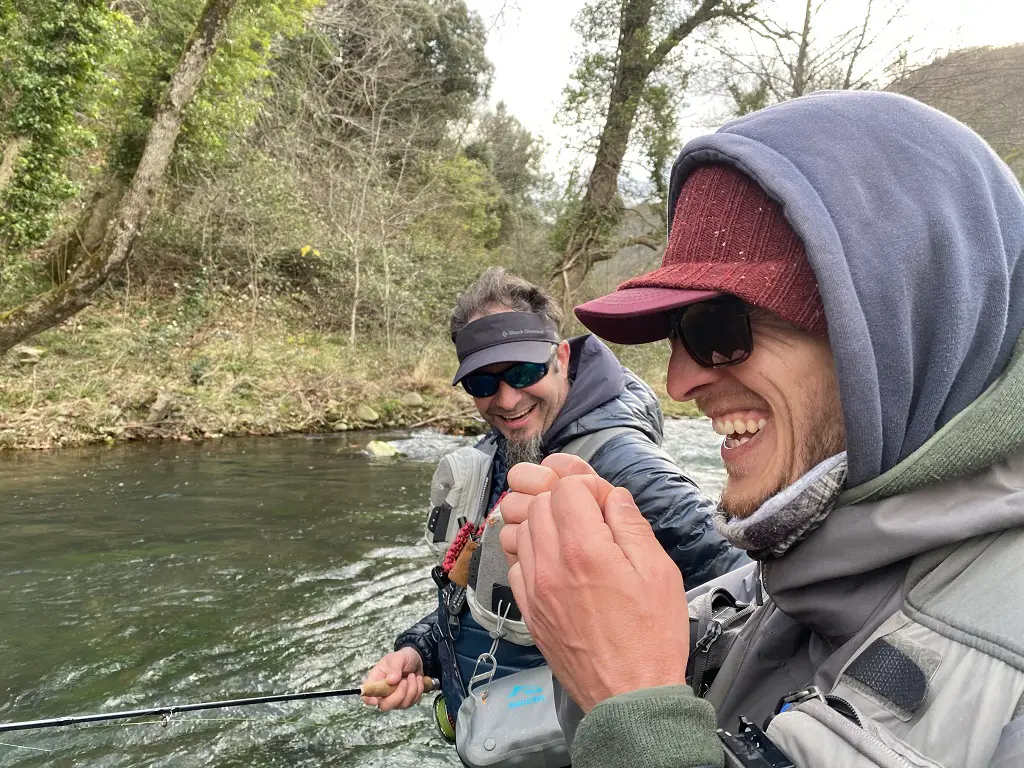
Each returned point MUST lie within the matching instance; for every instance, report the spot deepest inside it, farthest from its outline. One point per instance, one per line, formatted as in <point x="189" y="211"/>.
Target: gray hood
<point x="915" y="231"/>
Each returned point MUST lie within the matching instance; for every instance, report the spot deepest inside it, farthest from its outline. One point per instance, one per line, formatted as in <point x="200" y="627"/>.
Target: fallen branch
<point x="442" y="417"/>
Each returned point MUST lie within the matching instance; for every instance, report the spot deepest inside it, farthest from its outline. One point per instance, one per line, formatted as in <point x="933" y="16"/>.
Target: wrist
<point x="625" y="686"/>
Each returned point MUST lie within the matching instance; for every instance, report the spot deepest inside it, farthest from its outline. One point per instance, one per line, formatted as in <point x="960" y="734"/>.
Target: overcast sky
<point x="531" y="43"/>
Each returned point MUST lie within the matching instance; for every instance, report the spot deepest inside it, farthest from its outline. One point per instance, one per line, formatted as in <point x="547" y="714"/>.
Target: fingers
<point x="514" y="506"/>
<point x="567" y="465"/>
<point x="403" y="670"/>
<point x="414" y="690"/>
<point x="407" y="693"/>
<point x="577" y="503"/>
<point x="539" y="478"/>
<point x="526" y="565"/>
<point x="631" y="532"/>
<point x="518" y="584"/>
<point x="507" y="537"/>
<point x="530" y="479"/>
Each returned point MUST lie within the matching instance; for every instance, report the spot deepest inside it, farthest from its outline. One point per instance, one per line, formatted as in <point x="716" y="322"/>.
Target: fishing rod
<point x="377" y="688"/>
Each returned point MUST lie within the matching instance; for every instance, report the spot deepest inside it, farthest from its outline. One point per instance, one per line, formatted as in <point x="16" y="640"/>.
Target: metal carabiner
<point x="483" y="676"/>
<point x="489" y="656"/>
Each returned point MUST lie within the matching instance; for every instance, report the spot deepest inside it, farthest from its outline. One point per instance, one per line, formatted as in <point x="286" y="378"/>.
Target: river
<point x="150" y="574"/>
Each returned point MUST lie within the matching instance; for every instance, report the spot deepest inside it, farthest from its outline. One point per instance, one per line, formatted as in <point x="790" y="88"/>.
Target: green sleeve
<point x="666" y="727"/>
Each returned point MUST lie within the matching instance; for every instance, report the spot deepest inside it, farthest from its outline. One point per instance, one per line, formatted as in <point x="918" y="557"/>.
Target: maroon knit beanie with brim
<point x="729" y="237"/>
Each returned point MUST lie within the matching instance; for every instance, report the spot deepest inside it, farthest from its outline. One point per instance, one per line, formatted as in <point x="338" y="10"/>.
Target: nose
<point x="507" y="397"/>
<point x="686" y="375"/>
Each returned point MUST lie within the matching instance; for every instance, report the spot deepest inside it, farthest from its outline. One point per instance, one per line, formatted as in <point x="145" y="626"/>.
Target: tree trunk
<point x="88" y="232"/>
<point x="601" y="209"/>
<point x="800" y="68"/>
<point x="130" y="215"/>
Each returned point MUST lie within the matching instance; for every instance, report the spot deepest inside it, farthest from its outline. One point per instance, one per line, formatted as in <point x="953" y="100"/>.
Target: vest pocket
<point x="813" y="733"/>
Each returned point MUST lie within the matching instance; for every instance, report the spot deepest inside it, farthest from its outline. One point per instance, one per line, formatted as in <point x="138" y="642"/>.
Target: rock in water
<point x="366" y="413"/>
<point x="381" y="449"/>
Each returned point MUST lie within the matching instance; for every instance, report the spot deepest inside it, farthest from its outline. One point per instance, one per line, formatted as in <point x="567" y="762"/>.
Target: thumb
<point x="630" y="530"/>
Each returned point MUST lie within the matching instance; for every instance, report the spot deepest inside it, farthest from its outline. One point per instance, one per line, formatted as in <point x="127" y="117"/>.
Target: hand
<point x="527" y="480"/>
<point x="402" y="668"/>
<point x="604" y="602"/>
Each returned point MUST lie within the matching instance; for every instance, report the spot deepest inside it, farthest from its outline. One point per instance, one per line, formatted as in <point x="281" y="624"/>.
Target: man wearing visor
<point x="843" y="290"/>
<point x="540" y="395"/>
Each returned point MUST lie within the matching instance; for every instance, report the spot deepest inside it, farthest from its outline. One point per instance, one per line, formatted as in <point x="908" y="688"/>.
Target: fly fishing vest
<point x="940" y="683"/>
<point x="471" y="613"/>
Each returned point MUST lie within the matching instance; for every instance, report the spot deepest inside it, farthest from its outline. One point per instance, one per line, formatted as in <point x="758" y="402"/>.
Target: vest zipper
<point x="481" y="510"/>
<point x="844" y="708"/>
<point x="716" y="627"/>
<point x="837" y="703"/>
<point x="847" y="712"/>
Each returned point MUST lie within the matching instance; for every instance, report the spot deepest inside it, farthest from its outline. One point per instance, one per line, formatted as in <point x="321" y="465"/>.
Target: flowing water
<point x="146" y="575"/>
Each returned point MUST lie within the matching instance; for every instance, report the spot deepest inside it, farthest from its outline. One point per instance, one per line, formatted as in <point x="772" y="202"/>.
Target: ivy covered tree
<point x="51" y="77"/>
<point x="123" y="220"/>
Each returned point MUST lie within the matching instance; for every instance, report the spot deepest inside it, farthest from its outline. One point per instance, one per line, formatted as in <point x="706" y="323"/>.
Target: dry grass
<point x="229" y="371"/>
<point x="102" y="374"/>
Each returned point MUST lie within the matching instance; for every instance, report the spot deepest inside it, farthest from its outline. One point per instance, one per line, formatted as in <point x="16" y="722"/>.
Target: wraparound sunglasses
<point x="716" y="333"/>
<point x="519" y="376"/>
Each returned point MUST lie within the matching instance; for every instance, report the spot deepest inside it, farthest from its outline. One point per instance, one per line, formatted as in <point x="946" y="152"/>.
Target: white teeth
<point x="518" y="415"/>
<point x="738" y="426"/>
<point x="733" y="442"/>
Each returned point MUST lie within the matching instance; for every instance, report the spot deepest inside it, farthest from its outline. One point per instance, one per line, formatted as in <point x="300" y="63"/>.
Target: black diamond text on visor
<point x="504" y="337"/>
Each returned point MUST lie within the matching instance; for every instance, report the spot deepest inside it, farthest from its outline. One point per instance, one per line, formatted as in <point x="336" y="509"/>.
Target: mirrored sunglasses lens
<point x="480" y="384"/>
<point x="525" y="374"/>
<point x="716" y="334"/>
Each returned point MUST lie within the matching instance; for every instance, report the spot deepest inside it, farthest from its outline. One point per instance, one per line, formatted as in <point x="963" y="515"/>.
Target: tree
<point x="226" y="103"/>
<point x="131" y="212"/>
<point x="401" y="71"/>
<point x="368" y="110"/>
<point x="828" y="48"/>
<point x="51" y="71"/>
<point x="631" y="66"/>
<point x="513" y="156"/>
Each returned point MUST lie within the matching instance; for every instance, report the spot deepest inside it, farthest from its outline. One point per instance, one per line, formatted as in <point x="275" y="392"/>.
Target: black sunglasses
<point x="519" y="376"/>
<point x="716" y="332"/>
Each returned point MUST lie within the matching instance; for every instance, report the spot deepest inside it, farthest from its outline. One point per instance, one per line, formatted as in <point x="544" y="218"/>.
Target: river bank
<point x="150" y="371"/>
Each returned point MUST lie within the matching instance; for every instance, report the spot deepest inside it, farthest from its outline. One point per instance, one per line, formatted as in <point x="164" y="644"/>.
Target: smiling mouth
<point x="517" y="416"/>
<point x="738" y="429"/>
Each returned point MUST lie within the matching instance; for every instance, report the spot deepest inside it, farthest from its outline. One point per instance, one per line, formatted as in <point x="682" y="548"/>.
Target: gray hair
<point x="496" y="288"/>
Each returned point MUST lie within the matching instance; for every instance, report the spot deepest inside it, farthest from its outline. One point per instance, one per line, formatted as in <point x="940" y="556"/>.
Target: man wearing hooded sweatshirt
<point x="542" y="394"/>
<point x="843" y="290"/>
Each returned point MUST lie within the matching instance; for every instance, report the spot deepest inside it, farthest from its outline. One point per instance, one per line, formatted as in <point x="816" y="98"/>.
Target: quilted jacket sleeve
<point x="675" y="507"/>
<point x="423" y="638"/>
